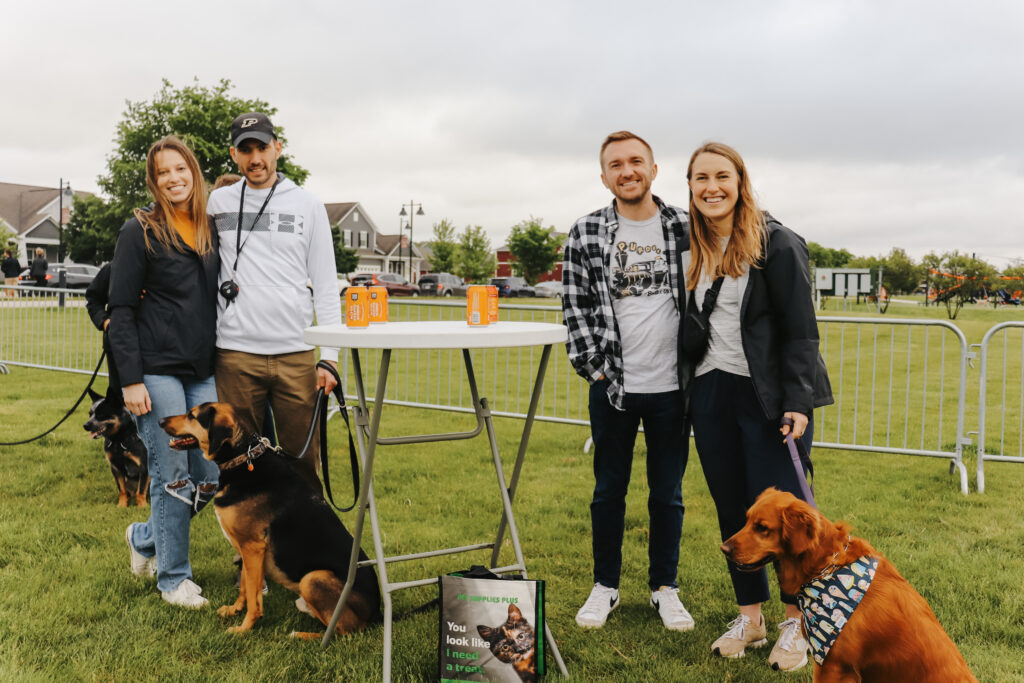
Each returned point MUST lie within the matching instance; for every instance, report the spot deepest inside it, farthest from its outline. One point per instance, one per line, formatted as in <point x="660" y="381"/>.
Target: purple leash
<point x="798" y="454"/>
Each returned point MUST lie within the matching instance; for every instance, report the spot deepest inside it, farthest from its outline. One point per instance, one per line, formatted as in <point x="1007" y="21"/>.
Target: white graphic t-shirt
<point x="645" y="311"/>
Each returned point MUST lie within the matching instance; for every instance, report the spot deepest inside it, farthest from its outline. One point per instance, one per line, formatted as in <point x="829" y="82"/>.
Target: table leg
<point x="367" y="451"/>
<point x="506" y="492"/>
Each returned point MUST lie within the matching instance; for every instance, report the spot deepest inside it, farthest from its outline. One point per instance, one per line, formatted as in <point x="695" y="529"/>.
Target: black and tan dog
<point x="121" y="444"/>
<point x="277" y="523"/>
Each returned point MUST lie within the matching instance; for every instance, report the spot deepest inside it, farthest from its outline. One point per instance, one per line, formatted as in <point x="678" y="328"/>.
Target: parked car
<point x="552" y="289"/>
<point x="77" y="276"/>
<point x="442" y="284"/>
<point x="512" y="286"/>
<point x="397" y="285"/>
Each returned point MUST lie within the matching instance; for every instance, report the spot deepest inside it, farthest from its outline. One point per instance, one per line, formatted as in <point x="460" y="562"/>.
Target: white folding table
<point x="433" y="335"/>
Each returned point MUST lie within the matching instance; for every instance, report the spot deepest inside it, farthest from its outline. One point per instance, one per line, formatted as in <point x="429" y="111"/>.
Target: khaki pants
<point x="247" y="381"/>
<point x="11" y="282"/>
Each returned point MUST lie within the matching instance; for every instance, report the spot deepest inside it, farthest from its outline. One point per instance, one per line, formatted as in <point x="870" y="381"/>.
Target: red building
<point x="505" y="258"/>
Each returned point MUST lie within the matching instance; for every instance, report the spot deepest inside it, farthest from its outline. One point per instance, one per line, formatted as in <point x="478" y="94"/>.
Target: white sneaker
<point x="675" y="617"/>
<point x="141" y="565"/>
<point x="790" y="651"/>
<point x="595" y="610"/>
<point x="187" y="594"/>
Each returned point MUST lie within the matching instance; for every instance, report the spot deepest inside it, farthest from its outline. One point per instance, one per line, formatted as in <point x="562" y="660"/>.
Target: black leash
<point x="69" y="413"/>
<point x="320" y="415"/>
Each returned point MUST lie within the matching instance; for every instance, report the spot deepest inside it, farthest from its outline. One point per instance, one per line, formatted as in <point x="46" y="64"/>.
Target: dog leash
<point x="798" y="454"/>
<point x="320" y="416"/>
<point x="66" y="415"/>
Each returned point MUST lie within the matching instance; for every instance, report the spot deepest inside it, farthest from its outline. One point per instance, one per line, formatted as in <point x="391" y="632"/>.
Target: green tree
<point x="900" y="273"/>
<point x="824" y="257"/>
<point x="444" y="248"/>
<point x="7" y="239"/>
<point x="534" y="247"/>
<point x="474" y="258"/>
<point x="199" y="115"/>
<point x="92" y="230"/>
<point x="346" y="258"/>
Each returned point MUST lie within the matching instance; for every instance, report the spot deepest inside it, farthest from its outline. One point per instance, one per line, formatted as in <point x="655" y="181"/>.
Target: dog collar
<point x="828" y="600"/>
<point x="257" y="447"/>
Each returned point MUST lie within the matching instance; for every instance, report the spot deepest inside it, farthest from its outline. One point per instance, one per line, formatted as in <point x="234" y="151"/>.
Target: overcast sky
<point x="865" y="125"/>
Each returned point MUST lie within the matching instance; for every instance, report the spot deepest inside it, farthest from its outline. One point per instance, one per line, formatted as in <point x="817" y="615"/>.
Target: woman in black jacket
<point x="761" y="365"/>
<point x="163" y="346"/>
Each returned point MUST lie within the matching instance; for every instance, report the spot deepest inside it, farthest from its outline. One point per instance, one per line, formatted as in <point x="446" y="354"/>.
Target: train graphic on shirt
<point x="639" y="278"/>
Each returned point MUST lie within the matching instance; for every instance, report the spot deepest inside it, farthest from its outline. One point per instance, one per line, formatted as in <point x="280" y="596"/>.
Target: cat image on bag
<point x="513" y="642"/>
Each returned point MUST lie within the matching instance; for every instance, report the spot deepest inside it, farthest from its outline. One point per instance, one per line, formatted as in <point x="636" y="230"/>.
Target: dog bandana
<point x="828" y="601"/>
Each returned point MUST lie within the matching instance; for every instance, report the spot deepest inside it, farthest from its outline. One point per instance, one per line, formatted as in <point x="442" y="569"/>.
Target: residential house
<point x="31" y="213"/>
<point x="378" y="252"/>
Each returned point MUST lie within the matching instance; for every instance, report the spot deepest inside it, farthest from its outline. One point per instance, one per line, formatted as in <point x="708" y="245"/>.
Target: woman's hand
<point x="136" y="399"/>
<point x="799" y="425"/>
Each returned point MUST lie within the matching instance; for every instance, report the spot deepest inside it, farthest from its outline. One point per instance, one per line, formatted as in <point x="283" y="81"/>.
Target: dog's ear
<point x="205" y="416"/>
<point x="801" y="524"/>
<point x="93" y="396"/>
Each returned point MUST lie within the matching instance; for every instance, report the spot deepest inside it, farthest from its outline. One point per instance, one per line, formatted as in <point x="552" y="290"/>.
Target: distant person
<point x="226" y="180"/>
<point x="39" y="267"/>
<point x="761" y="365"/>
<point x="11" y="269"/>
<point x="280" y="239"/>
<point x="164" y="345"/>
<point x="622" y="311"/>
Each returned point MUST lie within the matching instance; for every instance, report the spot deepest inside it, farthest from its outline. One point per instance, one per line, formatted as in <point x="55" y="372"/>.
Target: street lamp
<point x="411" y="206"/>
<point x="63" y="192"/>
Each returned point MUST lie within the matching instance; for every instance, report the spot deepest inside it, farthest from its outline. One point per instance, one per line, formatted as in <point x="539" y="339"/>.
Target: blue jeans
<point x="614" y="434"/>
<point x="181" y="482"/>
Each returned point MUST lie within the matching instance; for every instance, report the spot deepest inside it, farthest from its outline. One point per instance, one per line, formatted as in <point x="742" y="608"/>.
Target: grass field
<point x="71" y="610"/>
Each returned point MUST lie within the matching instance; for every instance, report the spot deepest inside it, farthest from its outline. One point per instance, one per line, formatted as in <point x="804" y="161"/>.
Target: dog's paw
<point x="228" y="610"/>
<point x="238" y="629"/>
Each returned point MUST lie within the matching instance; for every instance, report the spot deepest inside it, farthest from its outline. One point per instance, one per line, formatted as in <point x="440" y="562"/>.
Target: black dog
<point x="124" y="449"/>
<point x="278" y="524"/>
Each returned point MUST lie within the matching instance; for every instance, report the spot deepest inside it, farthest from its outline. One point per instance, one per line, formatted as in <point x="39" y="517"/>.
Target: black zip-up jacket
<point x="97" y="294"/>
<point x="11" y="267"/>
<point x="779" y="329"/>
<point x="172" y="330"/>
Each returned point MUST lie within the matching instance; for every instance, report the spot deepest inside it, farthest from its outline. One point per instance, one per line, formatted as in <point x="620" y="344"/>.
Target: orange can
<point x="378" y="304"/>
<point x="492" y="304"/>
<point x="476" y="305"/>
<point x="357" y="309"/>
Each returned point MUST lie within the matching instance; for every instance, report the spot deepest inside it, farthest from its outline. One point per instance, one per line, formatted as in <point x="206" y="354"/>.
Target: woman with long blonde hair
<point x="163" y="315"/>
<point x="761" y="369"/>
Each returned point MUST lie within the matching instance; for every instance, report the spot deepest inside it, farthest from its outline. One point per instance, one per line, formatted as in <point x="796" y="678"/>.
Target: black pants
<point x="614" y="433"/>
<point x="742" y="453"/>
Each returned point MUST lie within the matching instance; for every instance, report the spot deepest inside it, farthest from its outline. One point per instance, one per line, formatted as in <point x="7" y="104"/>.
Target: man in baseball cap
<point x="280" y="239"/>
<point x="252" y="126"/>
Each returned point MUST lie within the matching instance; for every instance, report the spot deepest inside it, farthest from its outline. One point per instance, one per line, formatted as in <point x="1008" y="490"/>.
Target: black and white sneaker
<point x="598" y="606"/>
<point x="675" y="617"/>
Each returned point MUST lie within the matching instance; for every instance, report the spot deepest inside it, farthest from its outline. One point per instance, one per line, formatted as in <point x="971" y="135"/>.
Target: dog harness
<point x="828" y="600"/>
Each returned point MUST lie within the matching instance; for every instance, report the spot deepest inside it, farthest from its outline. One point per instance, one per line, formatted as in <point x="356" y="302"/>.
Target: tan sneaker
<point x="790" y="651"/>
<point x="741" y="635"/>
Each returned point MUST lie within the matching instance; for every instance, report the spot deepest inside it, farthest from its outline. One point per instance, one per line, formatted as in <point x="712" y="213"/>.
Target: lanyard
<point x="238" y="231"/>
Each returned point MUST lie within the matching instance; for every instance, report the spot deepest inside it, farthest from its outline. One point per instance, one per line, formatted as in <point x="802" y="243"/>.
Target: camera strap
<point x="238" y="230"/>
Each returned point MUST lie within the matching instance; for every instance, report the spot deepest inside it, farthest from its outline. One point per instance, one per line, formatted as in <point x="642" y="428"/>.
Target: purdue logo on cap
<point x="249" y="122"/>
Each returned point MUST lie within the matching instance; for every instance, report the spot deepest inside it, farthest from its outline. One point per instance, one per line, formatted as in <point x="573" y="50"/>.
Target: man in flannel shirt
<point x="622" y="304"/>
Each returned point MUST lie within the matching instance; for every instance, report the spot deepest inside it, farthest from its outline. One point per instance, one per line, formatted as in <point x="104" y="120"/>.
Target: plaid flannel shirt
<point x="594" y="347"/>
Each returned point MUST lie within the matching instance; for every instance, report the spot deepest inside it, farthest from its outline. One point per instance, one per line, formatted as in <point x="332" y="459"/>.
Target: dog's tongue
<point x="96" y="435"/>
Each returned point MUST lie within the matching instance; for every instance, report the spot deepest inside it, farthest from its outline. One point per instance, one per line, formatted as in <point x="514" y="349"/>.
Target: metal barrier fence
<point x="1007" y="397"/>
<point x="900" y="385"/>
<point x="897" y="384"/>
